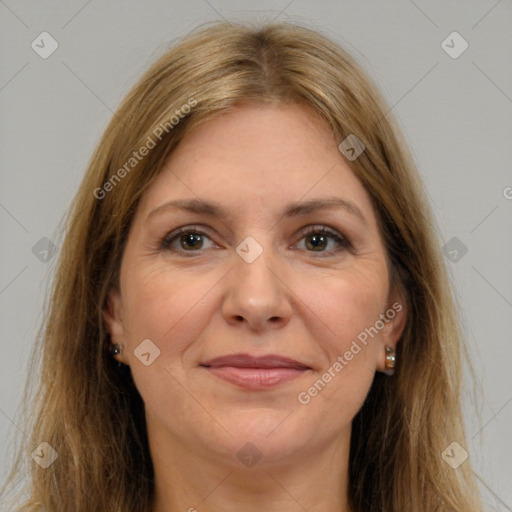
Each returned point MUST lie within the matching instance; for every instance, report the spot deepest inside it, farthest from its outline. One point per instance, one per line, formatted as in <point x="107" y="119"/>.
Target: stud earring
<point x="115" y="349"/>
<point x="390" y="361"/>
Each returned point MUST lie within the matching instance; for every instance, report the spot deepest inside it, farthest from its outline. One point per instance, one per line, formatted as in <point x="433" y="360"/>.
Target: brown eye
<point x="191" y="241"/>
<point x="316" y="242"/>
<point x="185" y="240"/>
<point x="323" y="240"/>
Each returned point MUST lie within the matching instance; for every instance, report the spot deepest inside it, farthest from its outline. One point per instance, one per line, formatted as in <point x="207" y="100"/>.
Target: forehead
<point x="257" y="156"/>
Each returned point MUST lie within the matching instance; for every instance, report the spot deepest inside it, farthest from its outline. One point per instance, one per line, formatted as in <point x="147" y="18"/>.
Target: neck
<point x="188" y="481"/>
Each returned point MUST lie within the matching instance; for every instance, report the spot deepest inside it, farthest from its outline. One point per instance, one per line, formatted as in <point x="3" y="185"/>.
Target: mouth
<point x="252" y="372"/>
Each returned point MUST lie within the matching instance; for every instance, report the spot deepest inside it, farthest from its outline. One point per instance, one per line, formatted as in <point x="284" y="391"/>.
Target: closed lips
<point x="247" y="361"/>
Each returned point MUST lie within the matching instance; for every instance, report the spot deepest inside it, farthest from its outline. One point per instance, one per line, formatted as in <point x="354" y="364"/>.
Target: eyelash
<point x="343" y="242"/>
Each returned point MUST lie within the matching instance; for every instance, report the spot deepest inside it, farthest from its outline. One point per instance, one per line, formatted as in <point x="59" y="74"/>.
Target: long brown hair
<point x="89" y="410"/>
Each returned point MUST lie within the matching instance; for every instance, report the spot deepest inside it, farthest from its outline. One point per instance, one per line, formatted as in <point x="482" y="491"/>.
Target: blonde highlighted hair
<point x="90" y="411"/>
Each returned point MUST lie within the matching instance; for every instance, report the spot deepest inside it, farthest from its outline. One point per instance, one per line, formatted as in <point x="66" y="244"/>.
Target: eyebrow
<point x="292" y="210"/>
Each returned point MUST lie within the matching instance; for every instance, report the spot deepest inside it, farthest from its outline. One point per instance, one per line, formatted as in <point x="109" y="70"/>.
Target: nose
<point x="257" y="296"/>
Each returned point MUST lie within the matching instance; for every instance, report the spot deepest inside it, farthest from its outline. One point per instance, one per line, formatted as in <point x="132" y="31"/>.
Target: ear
<point x="114" y="320"/>
<point x="394" y="318"/>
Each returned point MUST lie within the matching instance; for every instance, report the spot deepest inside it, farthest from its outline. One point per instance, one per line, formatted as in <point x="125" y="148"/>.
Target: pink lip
<point x="252" y="372"/>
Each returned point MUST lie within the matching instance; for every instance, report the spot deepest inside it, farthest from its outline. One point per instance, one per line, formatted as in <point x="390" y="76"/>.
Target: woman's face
<point x="279" y="270"/>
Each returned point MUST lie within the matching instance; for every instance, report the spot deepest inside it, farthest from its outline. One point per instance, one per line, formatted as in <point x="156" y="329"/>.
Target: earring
<point x="115" y="349"/>
<point x="390" y="361"/>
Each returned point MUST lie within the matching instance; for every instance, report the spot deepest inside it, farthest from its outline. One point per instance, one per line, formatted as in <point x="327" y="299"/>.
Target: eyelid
<point x="165" y="242"/>
<point x="322" y="228"/>
<point x="342" y="241"/>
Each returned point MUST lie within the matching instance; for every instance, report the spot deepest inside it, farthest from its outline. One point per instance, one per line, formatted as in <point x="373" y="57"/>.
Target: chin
<point x="271" y="436"/>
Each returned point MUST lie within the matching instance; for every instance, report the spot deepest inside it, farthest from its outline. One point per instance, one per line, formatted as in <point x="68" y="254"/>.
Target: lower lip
<point x="256" y="378"/>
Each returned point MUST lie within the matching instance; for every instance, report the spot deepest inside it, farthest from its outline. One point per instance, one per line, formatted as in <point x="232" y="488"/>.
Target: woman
<point x="251" y="310"/>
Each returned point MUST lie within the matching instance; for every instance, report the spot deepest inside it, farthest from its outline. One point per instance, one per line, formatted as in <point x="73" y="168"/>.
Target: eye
<point x="318" y="239"/>
<point x="187" y="239"/>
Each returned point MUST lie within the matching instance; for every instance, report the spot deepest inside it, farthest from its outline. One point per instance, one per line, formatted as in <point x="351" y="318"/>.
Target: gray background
<point x="455" y="112"/>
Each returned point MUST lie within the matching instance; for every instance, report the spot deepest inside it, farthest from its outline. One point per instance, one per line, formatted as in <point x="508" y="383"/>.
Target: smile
<point x="255" y="373"/>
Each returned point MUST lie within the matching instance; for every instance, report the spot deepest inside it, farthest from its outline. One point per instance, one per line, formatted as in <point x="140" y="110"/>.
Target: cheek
<point x="346" y="303"/>
<point x="166" y="306"/>
<point x="348" y="308"/>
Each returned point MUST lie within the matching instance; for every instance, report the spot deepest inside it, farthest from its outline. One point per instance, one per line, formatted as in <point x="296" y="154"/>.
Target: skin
<point x="293" y="300"/>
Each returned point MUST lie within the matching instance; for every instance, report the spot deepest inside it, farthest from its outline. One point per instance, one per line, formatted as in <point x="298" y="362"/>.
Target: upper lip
<point x="248" y="361"/>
